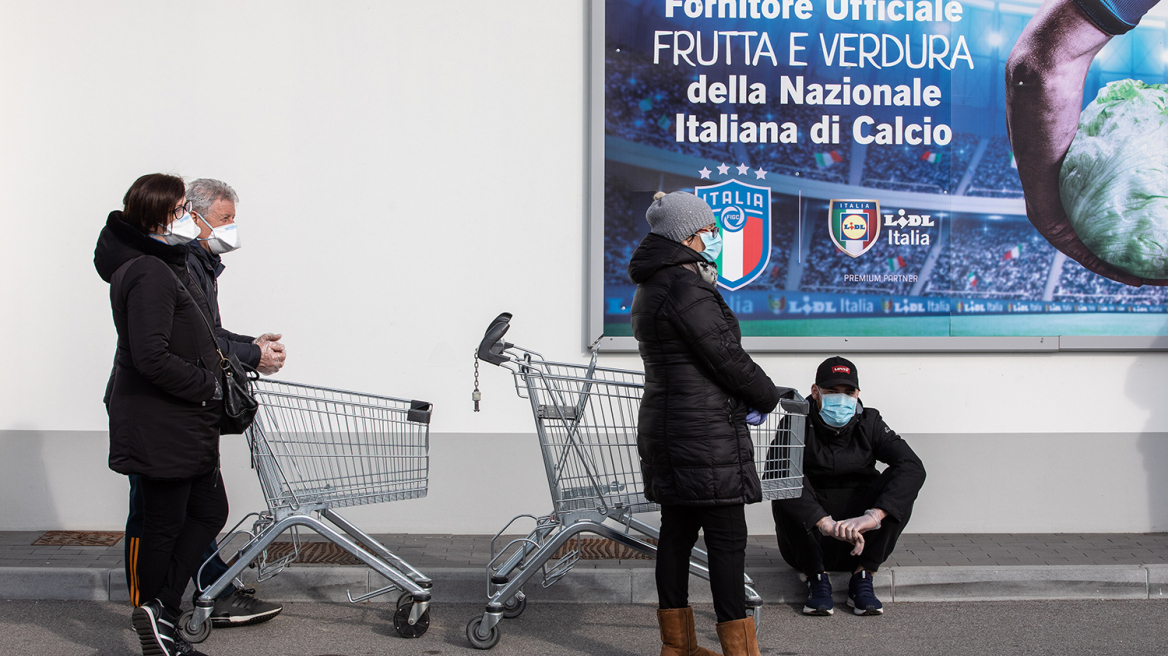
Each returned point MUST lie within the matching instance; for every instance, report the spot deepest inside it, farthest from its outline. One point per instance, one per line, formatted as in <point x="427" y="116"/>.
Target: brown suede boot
<point x="738" y="637"/>
<point x="677" y="633"/>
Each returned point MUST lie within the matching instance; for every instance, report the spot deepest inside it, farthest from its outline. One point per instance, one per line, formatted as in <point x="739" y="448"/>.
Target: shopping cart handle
<point x="419" y="412"/>
<point x="791" y="401"/>
<point x="492" y="347"/>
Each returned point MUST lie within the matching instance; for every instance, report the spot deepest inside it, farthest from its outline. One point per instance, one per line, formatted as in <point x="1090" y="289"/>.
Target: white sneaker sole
<point x="864" y="611"/>
<point x="807" y="610"/>
<point x="244" y="620"/>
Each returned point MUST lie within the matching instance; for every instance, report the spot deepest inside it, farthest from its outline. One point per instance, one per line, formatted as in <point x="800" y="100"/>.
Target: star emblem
<point x="723" y="169"/>
<point x="705" y="173"/>
<point x="742" y="169"/>
<point x="760" y="174"/>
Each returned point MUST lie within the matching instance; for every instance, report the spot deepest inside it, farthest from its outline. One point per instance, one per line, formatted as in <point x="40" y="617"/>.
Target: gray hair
<point x="204" y="192"/>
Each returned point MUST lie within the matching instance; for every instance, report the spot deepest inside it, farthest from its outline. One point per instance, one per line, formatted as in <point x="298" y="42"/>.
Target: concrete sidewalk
<point x="925" y="567"/>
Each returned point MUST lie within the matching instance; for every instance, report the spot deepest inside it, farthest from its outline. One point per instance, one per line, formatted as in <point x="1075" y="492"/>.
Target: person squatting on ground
<point x="695" y="450"/>
<point x="213" y="210"/>
<point x="844" y="497"/>
<point x="164" y="400"/>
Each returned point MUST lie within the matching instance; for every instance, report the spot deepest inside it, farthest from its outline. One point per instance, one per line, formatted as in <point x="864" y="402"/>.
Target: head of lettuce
<point x="1114" y="180"/>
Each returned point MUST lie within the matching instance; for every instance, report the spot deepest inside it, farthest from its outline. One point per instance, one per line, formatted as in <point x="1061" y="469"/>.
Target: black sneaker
<point x="155" y="629"/>
<point x="819" y="596"/>
<point x="241" y="608"/>
<point x="861" y="598"/>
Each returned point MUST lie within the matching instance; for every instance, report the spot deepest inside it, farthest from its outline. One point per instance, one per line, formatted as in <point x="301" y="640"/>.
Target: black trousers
<point x="725" y="530"/>
<point x="167" y="533"/>
<point x="810" y="552"/>
<point x="211" y="566"/>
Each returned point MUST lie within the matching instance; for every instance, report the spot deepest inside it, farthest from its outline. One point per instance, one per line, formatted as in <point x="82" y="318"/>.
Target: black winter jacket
<point x="163" y="421"/>
<point x="845" y="458"/>
<point x="699" y="384"/>
<point x="205" y="268"/>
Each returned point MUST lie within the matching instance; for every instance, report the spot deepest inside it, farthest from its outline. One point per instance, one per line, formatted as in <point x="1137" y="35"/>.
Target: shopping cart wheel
<point x="192" y="636"/>
<point x="401" y="618"/>
<point x="515" y="606"/>
<point x="491" y="640"/>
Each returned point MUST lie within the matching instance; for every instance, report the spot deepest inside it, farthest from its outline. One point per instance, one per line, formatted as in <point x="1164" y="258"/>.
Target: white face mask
<point x="181" y="230"/>
<point x="223" y="239"/>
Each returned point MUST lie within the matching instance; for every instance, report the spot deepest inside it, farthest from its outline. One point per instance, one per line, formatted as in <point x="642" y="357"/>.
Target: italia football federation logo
<point x="744" y="215"/>
<point x="854" y="225"/>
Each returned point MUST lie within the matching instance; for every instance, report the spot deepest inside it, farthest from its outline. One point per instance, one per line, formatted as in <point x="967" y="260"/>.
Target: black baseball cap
<point x="837" y="371"/>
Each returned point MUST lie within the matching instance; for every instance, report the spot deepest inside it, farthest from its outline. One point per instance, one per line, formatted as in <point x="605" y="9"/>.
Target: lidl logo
<point x="744" y="215"/>
<point x="854" y="225"/>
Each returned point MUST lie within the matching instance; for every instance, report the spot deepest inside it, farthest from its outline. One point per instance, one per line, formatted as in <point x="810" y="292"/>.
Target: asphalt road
<point x="65" y="628"/>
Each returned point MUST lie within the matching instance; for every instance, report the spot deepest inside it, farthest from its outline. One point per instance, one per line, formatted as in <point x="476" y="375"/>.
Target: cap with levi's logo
<point x="837" y="371"/>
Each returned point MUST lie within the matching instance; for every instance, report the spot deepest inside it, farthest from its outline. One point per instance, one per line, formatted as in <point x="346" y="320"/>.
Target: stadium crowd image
<point x="981" y="248"/>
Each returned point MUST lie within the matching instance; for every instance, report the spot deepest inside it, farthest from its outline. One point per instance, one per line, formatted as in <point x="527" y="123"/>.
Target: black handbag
<point x="239" y="404"/>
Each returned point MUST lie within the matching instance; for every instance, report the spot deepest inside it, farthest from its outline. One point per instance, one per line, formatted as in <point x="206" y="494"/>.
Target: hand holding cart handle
<point x="791" y="401"/>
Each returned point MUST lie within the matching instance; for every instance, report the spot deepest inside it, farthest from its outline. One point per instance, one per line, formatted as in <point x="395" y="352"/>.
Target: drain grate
<point x="314" y="553"/>
<point x="78" y="539"/>
<point x="603" y="549"/>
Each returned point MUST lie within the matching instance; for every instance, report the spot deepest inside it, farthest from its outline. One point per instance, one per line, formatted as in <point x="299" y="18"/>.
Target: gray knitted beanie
<point x="678" y="215"/>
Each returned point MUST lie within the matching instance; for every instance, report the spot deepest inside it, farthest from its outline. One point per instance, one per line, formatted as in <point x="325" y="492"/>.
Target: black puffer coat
<point x="163" y="423"/>
<point x="699" y="384"/>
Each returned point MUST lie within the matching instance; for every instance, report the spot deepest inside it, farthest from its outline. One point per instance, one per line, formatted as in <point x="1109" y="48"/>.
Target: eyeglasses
<point x="713" y="230"/>
<point x="183" y="209"/>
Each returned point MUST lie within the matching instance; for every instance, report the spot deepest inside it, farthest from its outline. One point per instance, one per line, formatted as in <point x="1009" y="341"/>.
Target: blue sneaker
<point x="861" y="598"/>
<point x="819" y="596"/>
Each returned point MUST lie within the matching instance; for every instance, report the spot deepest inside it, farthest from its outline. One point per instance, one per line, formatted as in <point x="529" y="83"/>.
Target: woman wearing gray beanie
<point x="696" y="454"/>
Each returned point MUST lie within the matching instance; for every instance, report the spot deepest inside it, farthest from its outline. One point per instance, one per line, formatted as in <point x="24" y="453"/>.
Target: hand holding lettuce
<point x="1044" y="99"/>
<point x="1114" y="179"/>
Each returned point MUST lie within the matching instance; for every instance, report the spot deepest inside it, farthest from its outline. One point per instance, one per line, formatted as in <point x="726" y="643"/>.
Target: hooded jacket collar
<point x="655" y="253"/>
<point x="119" y="242"/>
<point x="210" y="261"/>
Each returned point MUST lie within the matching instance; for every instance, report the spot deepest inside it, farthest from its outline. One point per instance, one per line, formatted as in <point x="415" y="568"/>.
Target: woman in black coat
<point x="697" y="457"/>
<point x="163" y="400"/>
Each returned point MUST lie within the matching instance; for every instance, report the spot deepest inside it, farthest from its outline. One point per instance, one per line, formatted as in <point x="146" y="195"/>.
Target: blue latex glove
<point x="754" y="417"/>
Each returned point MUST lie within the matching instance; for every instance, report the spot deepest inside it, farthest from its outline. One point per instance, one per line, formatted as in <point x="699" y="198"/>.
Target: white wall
<point x="406" y="172"/>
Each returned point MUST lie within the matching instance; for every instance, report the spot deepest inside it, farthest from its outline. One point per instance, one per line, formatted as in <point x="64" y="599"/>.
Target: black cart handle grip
<point x="492" y="347"/>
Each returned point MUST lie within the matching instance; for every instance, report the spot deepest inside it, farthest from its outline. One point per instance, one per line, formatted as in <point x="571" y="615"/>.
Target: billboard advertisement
<point x="874" y="174"/>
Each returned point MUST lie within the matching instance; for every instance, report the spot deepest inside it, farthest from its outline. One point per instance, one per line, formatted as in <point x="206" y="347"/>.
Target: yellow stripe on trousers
<point x="134" y="571"/>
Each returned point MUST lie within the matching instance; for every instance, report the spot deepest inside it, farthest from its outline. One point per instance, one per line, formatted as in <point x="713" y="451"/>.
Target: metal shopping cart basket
<point x="586" y="421"/>
<point x="315" y="450"/>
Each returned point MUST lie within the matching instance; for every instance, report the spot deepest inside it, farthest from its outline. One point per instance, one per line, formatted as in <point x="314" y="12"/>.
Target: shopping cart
<point x="586" y="421"/>
<point x="315" y="450"/>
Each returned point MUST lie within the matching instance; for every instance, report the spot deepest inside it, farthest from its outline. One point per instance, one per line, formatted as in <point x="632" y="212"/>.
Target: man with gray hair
<point x="213" y="208"/>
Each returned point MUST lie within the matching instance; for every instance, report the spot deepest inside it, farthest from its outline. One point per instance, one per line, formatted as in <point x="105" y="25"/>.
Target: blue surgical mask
<point x="712" y="245"/>
<point x="837" y="409"/>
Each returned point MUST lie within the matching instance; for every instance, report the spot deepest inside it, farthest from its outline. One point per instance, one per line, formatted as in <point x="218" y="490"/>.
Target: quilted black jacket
<point x="699" y="384"/>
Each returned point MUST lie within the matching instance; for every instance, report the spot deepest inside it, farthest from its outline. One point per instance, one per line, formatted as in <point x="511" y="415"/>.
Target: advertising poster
<point x="858" y="158"/>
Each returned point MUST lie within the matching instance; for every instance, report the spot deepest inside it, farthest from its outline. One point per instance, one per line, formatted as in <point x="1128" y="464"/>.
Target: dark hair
<point x="150" y="202"/>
